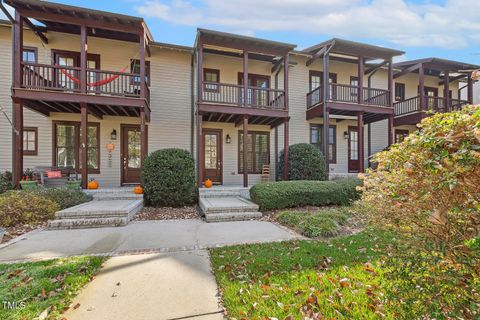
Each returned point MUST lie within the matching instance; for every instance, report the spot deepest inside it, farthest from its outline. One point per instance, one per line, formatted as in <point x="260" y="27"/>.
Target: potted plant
<point x="73" y="184"/>
<point x="28" y="184"/>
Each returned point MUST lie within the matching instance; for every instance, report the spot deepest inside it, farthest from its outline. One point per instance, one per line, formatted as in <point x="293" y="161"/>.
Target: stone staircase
<point x="108" y="208"/>
<point x="227" y="204"/>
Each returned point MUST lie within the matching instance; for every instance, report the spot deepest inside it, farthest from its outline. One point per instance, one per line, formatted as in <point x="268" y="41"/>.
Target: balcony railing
<point x="436" y="104"/>
<point x="349" y="94"/>
<point x="62" y="78"/>
<point x="232" y="94"/>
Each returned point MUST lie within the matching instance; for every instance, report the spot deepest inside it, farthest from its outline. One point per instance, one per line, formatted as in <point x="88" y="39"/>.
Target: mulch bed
<point x="167" y="213"/>
<point x="13" y="232"/>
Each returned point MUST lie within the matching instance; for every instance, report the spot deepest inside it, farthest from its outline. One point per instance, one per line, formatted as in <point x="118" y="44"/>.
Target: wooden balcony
<point x="54" y="88"/>
<point x="348" y="100"/>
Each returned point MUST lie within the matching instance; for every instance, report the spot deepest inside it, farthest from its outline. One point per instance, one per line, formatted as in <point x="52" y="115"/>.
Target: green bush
<point x="65" y="198"/>
<point x="305" y="162"/>
<point x="322" y="223"/>
<point x="169" y="178"/>
<point x="5" y="181"/>
<point x="20" y="207"/>
<point x="289" y="194"/>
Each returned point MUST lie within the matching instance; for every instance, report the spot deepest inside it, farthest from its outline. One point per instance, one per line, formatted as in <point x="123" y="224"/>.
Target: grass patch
<point x="321" y="223"/>
<point x="337" y="279"/>
<point x="40" y="285"/>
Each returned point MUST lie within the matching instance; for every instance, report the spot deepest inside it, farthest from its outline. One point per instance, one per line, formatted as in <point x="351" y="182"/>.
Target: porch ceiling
<point x="237" y="119"/>
<point x="370" y="113"/>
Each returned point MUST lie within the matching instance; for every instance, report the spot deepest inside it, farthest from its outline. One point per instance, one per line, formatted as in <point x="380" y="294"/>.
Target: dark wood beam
<point x="17" y="143"/>
<point x="407" y="70"/>
<point x="35" y="30"/>
<point x="84" y="144"/>
<point x="36" y="108"/>
<point x="93" y="110"/>
<point x="375" y="67"/>
<point x="143" y="137"/>
<point x="277" y="65"/>
<point x="316" y="56"/>
<point x="7" y="14"/>
<point x="239" y="121"/>
<point x="361" y="158"/>
<point x="452" y="79"/>
<point x="285" y="149"/>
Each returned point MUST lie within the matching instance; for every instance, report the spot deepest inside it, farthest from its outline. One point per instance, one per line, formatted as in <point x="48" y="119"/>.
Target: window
<point x="29" y="55"/>
<point x="67" y="137"/>
<point x="258" y="151"/>
<point x="135" y="68"/>
<point x="316" y="138"/>
<point x="354" y="83"/>
<point x="211" y="75"/>
<point x="400" y="135"/>
<point x="30" y="141"/>
<point x="399" y="91"/>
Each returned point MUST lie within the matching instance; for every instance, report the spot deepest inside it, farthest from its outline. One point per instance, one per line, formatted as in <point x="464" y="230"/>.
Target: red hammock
<point x="96" y="83"/>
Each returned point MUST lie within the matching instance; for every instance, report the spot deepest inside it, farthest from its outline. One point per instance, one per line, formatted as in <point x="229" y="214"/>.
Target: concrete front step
<point x="232" y="216"/>
<point x="226" y="204"/>
<point x="97" y="214"/>
<point x="123" y="193"/>
<point x="221" y="191"/>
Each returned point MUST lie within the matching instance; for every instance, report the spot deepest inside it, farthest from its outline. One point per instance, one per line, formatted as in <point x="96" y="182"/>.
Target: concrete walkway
<point x="142" y="236"/>
<point x="151" y="287"/>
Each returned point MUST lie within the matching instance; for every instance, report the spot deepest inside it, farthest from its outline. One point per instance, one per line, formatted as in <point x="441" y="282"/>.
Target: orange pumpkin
<point x="208" y="183"/>
<point x="93" y="185"/>
<point x="138" y="190"/>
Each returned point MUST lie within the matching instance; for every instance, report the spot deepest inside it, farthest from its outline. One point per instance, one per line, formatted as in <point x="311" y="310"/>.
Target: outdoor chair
<point x="54" y="177"/>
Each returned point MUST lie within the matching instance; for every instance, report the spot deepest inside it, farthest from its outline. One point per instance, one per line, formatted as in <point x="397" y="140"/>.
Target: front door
<point x="130" y="154"/>
<point x="212" y="155"/>
<point x="353" y="165"/>
<point x="72" y="59"/>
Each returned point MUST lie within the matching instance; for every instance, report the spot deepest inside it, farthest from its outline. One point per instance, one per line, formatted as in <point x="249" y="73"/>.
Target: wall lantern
<point x="113" y="135"/>
<point x="228" y="140"/>
<point x="345" y="135"/>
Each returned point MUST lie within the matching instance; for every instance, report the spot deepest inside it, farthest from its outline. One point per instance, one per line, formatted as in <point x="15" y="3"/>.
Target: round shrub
<point x="305" y="162"/>
<point x="20" y="207"/>
<point x="169" y="178"/>
<point x="65" y="198"/>
<point x="5" y="181"/>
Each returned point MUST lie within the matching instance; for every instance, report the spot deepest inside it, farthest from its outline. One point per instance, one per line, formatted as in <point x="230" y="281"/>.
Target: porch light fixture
<point x="228" y="140"/>
<point x="345" y="135"/>
<point x="113" y="135"/>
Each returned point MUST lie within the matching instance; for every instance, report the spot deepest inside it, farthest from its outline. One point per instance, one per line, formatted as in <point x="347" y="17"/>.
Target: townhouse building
<point x="93" y="91"/>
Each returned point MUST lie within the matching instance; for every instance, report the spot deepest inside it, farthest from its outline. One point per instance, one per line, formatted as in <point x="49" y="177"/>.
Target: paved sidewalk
<point x="142" y="236"/>
<point x="151" y="287"/>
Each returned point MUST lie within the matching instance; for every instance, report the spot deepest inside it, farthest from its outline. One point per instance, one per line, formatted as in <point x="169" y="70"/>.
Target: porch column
<point x="143" y="84"/>
<point x="390" y="84"/>
<point x="326" y="118"/>
<point x="285" y="149"/>
<point x="469" y="90"/>
<point x="245" y="78"/>
<point x="200" y="71"/>
<point x="143" y="137"/>
<point x="17" y="50"/>
<point x="83" y="144"/>
<point x="421" y="87"/>
<point x="285" y="80"/>
<point x="83" y="58"/>
<point x="200" y="160"/>
<point x="390" y="129"/>
<point x="17" y="143"/>
<point x="360" y="80"/>
<point x="361" y="166"/>
<point x="245" y="151"/>
<point x="446" y="90"/>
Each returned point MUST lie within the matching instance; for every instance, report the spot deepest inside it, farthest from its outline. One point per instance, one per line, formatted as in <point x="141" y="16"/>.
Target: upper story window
<point x="29" y="55"/>
<point x="354" y="83"/>
<point x="399" y="91"/>
<point x="135" y="68"/>
<point x="211" y="75"/>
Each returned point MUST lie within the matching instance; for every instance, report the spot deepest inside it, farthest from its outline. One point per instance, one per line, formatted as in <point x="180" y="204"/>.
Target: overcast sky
<point x="423" y="28"/>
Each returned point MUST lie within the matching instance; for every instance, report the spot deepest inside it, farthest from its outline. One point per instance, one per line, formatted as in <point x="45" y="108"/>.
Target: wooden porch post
<point x="360" y="80"/>
<point x="143" y="83"/>
<point x="245" y="151"/>
<point x="200" y="160"/>
<point x="83" y="58"/>
<point x="390" y="84"/>
<point x="361" y="167"/>
<point x="143" y="137"/>
<point x="390" y="129"/>
<point x="421" y="87"/>
<point x="469" y="90"/>
<point x="285" y="149"/>
<point x="17" y="132"/>
<point x="17" y="143"/>
<point x="245" y="78"/>
<point x="446" y="91"/>
<point x="84" y="144"/>
<point x="285" y="80"/>
<point x="326" y="120"/>
<point x="200" y="71"/>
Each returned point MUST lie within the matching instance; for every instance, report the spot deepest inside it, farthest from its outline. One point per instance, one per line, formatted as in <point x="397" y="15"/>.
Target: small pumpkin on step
<point x="138" y="190"/>
<point x="93" y="184"/>
<point x="208" y="183"/>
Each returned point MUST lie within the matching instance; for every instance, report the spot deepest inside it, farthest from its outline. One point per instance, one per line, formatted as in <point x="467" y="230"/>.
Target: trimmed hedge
<point x="289" y="194"/>
<point x="169" y="178"/>
<point x="305" y="162"/>
<point x="65" y="198"/>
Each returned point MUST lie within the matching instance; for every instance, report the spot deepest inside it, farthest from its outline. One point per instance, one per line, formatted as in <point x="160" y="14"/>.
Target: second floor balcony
<point x="430" y="103"/>
<point x="349" y="94"/>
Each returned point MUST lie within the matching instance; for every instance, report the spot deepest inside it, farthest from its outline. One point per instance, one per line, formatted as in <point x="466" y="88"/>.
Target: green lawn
<point x="34" y="287"/>
<point x="338" y="279"/>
